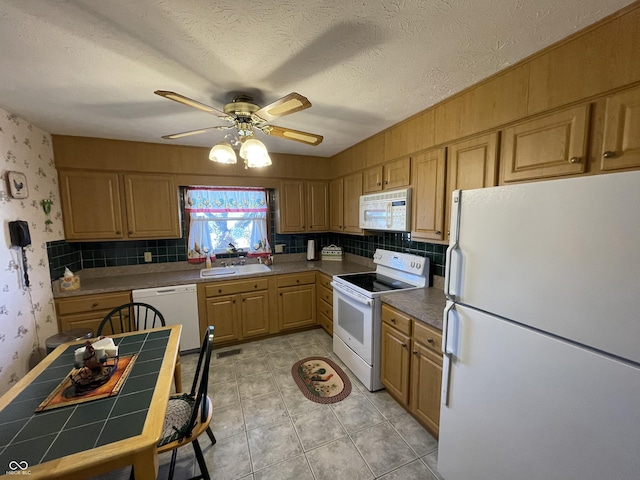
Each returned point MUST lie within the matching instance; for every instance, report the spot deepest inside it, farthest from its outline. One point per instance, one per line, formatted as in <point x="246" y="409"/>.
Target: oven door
<point x="353" y="315"/>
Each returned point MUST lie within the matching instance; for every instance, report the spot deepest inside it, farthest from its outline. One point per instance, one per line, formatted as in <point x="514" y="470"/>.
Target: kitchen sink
<point x="234" y="270"/>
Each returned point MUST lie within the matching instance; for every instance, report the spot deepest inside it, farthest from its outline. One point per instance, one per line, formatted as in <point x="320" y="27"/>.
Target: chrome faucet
<point x="224" y="263"/>
<point x="241" y="260"/>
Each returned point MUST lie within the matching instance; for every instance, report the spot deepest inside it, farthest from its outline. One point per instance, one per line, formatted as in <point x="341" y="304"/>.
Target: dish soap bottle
<point x="207" y="262"/>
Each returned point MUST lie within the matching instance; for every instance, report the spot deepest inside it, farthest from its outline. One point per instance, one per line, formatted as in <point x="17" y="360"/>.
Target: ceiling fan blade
<point x="176" y="97"/>
<point x="294" y="102"/>
<point x="173" y="136"/>
<point x="290" y="134"/>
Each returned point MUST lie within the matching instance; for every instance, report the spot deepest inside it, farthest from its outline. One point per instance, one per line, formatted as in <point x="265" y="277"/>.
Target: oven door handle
<point x="358" y="299"/>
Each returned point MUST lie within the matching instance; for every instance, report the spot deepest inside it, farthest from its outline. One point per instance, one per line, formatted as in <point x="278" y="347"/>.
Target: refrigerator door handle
<point x="453" y="242"/>
<point x="448" y="353"/>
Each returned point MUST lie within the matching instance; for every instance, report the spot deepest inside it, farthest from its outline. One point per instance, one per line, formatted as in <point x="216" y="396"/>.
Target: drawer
<point x="325" y="294"/>
<point x="296" y="279"/>
<point x="325" y="323"/>
<point x="91" y="303"/>
<point x="396" y="319"/>
<point x="325" y="309"/>
<point x="229" y="288"/>
<point x="427" y="336"/>
<point x="325" y="280"/>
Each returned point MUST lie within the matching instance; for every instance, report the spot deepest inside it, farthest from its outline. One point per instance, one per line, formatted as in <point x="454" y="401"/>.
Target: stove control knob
<point x="419" y="265"/>
<point x="413" y="264"/>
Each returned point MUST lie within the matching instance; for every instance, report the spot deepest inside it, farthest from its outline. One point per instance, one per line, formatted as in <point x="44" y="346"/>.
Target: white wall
<point x="27" y="317"/>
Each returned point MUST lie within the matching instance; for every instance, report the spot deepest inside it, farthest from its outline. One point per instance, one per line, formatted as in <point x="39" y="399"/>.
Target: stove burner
<point x="375" y="282"/>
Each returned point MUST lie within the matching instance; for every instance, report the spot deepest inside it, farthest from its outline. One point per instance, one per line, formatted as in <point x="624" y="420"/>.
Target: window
<point x="220" y="216"/>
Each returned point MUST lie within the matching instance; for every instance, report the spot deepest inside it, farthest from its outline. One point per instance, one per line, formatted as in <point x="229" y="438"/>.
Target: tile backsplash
<point x="82" y="255"/>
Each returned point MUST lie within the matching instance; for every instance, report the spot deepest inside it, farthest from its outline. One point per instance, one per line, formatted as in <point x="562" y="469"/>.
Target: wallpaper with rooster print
<point x="27" y="315"/>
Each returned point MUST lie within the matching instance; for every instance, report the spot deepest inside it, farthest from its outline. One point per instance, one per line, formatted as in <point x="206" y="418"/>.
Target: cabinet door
<point x="352" y="192"/>
<point x="91" y="208"/>
<point x="296" y="306"/>
<point x="317" y="206"/>
<point x="394" y="365"/>
<point x="550" y="146"/>
<point x="152" y="206"/>
<point x="254" y="308"/>
<point x="428" y="195"/>
<point x="336" y="193"/>
<point x="426" y="380"/>
<point x="222" y="313"/>
<point x="397" y="174"/>
<point x="471" y="164"/>
<point x="621" y="142"/>
<point x="372" y="179"/>
<point x="291" y="211"/>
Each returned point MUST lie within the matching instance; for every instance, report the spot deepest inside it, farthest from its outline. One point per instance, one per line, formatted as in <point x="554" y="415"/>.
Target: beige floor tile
<point x="356" y="412"/>
<point x="221" y="373"/>
<point x="283" y="377"/>
<point x="414" y="434"/>
<point x="338" y="460"/>
<point x="227" y="421"/>
<point x="282" y="359"/>
<point x="264" y="410"/>
<point x="246" y="367"/>
<point x="256" y="385"/>
<point x="276" y="344"/>
<point x="273" y="444"/>
<point x="296" y="468"/>
<point x="229" y="458"/>
<point x="317" y="427"/>
<point x="385" y="403"/>
<point x="431" y="461"/>
<point x="382" y="448"/>
<point x="223" y="394"/>
<point x="415" y="470"/>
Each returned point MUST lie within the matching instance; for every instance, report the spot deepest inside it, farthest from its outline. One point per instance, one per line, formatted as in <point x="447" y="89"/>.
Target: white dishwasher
<point x="179" y="306"/>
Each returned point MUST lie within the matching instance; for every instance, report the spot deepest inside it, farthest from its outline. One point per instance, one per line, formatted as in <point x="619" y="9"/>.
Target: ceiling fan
<point x="245" y="116"/>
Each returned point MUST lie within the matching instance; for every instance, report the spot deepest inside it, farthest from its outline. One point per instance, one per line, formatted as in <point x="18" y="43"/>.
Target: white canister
<point x="311" y="250"/>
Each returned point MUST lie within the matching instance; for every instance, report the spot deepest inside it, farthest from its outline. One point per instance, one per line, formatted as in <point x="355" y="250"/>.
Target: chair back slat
<point x="131" y="317"/>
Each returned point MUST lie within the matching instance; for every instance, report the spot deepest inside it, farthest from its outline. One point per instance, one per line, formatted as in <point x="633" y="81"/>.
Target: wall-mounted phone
<point x="19" y="233"/>
<point x="20" y="237"/>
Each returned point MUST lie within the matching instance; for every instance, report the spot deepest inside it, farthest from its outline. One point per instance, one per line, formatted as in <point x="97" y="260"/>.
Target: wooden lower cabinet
<point x="237" y="310"/>
<point x="324" y="315"/>
<point x="87" y="311"/>
<point x="296" y="300"/>
<point x="411" y="365"/>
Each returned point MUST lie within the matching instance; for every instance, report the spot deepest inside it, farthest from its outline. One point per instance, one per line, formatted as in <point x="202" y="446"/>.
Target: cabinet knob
<point x="393" y="320"/>
<point x="386" y="182"/>
<point x="430" y="340"/>
<point x="404" y="345"/>
<point x="438" y="232"/>
<point x="280" y="293"/>
<point x="130" y="232"/>
<point x="233" y="301"/>
<point x="574" y="160"/>
<point x="118" y="232"/>
<point x="219" y="290"/>
<point x="244" y="299"/>
<point x="94" y="305"/>
<point x="378" y="184"/>
<point x="608" y="154"/>
<point x="415" y="352"/>
<point x="255" y="286"/>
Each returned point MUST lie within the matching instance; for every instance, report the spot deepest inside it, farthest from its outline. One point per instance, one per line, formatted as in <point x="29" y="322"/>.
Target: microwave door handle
<point x="388" y="216"/>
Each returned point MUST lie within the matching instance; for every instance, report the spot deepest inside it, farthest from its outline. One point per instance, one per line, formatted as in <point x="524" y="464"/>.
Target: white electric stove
<point x="357" y="322"/>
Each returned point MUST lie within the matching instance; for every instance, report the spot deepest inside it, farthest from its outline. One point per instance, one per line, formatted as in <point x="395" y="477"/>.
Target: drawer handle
<point x="415" y="352"/>
<point x="255" y="286"/>
<point x="430" y="340"/>
<point x="574" y="160"/>
<point x="404" y="345"/>
<point x="130" y="232"/>
<point x="118" y="232"/>
<point x="608" y="154"/>
<point x="219" y="290"/>
<point x="393" y="320"/>
<point x="94" y="305"/>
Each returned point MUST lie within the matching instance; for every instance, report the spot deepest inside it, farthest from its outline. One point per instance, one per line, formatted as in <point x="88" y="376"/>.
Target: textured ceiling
<point x="89" y="68"/>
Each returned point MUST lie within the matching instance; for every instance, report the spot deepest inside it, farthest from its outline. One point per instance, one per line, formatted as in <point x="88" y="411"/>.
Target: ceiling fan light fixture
<point x="254" y="153"/>
<point x="222" y="153"/>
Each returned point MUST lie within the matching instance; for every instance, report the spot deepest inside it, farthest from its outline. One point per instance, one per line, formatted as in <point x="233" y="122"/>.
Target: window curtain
<point x="206" y="205"/>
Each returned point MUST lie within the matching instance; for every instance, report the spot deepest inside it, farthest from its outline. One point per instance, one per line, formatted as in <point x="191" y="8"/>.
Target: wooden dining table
<point x="87" y="439"/>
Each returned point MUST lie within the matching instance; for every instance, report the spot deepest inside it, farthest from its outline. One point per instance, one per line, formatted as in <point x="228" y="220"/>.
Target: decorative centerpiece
<point x="95" y="364"/>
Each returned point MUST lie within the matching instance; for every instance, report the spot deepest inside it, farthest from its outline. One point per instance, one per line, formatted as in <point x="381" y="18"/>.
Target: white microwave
<point x="386" y="211"/>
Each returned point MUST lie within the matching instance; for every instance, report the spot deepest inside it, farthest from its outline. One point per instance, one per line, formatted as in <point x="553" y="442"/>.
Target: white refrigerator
<point x="541" y="333"/>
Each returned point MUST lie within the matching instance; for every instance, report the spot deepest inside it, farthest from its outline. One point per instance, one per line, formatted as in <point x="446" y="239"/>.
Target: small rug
<point x="321" y="380"/>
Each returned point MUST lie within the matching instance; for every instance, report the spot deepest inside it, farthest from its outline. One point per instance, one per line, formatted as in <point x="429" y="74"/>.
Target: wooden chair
<point x="136" y="316"/>
<point x="189" y="414"/>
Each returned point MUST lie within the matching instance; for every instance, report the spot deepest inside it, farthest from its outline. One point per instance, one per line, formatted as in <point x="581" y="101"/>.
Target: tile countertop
<point x="118" y="279"/>
<point x="424" y="304"/>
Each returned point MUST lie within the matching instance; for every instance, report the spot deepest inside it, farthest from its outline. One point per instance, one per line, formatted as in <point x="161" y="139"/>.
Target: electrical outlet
<point x="147" y="256"/>
<point x="280" y="247"/>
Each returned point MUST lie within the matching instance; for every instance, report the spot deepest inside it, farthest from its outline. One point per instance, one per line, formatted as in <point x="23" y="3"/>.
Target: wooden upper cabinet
<point x="351" y="203"/>
<point x="621" y="139"/>
<point x="152" y="206"/>
<point x="290" y="209"/>
<point x="336" y="201"/>
<point x="428" y="173"/>
<point x="549" y="146"/>
<point x="91" y="205"/>
<point x="317" y="206"/>
<point x="303" y="207"/>
<point x="391" y="175"/>
<point x="470" y="164"/>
